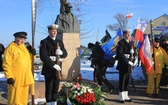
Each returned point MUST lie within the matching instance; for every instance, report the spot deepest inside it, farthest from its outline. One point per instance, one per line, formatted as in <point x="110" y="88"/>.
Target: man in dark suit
<point x="2" y="48"/>
<point x="101" y="65"/>
<point x="48" y="52"/>
<point x="122" y="55"/>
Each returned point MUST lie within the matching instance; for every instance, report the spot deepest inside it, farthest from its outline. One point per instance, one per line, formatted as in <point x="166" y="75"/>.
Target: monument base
<point x="71" y="64"/>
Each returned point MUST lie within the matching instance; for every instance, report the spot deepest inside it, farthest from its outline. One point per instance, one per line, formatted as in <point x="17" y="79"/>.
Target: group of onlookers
<point x="124" y="48"/>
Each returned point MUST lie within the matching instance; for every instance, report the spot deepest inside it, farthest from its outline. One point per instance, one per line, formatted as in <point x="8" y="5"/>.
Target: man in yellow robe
<point x="17" y="69"/>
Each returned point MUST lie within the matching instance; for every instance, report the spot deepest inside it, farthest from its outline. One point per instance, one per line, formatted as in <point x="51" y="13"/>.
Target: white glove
<point x="57" y="67"/>
<point x="132" y="51"/>
<point x="58" y="52"/>
<point x="131" y="63"/>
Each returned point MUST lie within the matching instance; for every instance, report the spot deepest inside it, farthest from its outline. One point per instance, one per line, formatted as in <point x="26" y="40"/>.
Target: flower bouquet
<point x="81" y="94"/>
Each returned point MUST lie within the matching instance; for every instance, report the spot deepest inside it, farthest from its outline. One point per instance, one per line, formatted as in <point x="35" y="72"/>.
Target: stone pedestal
<point x="71" y="64"/>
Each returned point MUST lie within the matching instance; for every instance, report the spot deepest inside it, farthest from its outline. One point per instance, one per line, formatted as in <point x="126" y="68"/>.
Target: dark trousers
<point x="1" y="69"/>
<point x="51" y="88"/>
<point x="124" y="79"/>
<point x="95" y="74"/>
<point x="102" y="78"/>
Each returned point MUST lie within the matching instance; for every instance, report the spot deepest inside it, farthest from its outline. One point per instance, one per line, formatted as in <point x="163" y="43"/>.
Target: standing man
<point x="2" y="48"/>
<point x="48" y="54"/>
<point x="17" y="64"/>
<point x="122" y="54"/>
<point x="160" y="59"/>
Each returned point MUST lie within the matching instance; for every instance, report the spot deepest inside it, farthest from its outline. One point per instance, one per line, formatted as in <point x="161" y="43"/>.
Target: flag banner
<point x="109" y="48"/>
<point x="139" y="45"/>
<point x="141" y="26"/>
<point x="145" y="54"/>
<point x="129" y="15"/>
<point x="106" y="37"/>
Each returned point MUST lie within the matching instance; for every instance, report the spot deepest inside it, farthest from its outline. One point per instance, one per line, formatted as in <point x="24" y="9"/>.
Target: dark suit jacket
<point x="47" y="49"/>
<point x="2" y="48"/>
<point x="123" y="47"/>
<point x="98" y="55"/>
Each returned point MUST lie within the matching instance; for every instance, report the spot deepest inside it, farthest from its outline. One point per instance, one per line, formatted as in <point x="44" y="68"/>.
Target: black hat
<point x="53" y="26"/>
<point x="90" y="45"/>
<point x="97" y="43"/>
<point x="20" y="34"/>
<point x="68" y="5"/>
<point x="157" y="39"/>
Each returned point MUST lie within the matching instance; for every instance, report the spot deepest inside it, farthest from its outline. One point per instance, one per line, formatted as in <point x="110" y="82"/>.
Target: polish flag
<point x="129" y="15"/>
<point x="145" y="54"/>
<point x="141" y="26"/>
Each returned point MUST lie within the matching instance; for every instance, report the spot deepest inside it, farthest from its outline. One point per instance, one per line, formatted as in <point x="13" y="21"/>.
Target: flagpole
<point x="34" y="4"/>
<point x="152" y="35"/>
<point x="130" y="16"/>
<point x="128" y="13"/>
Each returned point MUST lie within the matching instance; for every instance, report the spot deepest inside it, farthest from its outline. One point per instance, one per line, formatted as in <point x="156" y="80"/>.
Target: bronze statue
<point x="67" y="22"/>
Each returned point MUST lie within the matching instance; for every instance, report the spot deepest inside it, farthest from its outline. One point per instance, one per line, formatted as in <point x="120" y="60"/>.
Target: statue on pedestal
<point x="67" y="22"/>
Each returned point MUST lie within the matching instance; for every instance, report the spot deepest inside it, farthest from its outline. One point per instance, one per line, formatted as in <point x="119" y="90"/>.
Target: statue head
<point x="68" y="7"/>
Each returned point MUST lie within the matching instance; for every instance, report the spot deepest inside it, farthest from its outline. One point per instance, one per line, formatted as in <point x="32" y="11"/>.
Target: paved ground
<point x="137" y="94"/>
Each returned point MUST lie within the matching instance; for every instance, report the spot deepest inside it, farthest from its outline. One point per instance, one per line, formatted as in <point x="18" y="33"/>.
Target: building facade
<point x="159" y="24"/>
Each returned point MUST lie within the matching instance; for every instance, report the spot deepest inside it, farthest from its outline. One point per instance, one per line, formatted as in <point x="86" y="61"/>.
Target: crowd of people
<point x="17" y="66"/>
<point x="20" y="78"/>
<point x="123" y="50"/>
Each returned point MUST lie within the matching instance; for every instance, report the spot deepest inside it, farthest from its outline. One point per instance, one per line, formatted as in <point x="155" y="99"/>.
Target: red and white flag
<point x="145" y="54"/>
<point x="141" y="26"/>
<point x="129" y="15"/>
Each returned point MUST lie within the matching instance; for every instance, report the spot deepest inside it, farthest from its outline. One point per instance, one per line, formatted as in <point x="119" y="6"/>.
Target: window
<point x="163" y="23"/>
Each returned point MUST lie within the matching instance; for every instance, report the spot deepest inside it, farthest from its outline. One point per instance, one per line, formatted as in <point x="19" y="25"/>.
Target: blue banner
<point x="110" y="47"/>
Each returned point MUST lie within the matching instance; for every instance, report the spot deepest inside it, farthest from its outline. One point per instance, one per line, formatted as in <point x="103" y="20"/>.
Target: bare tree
<point x="122" y="22"/>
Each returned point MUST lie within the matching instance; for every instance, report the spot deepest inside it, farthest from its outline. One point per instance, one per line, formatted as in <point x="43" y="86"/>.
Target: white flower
<point x="78" y="88"/>
<point x="84" y="91"/>
<point x="78" y="94"/>
<point x="75" y="91"/>
<point x="81" y="92"/>
<point x="89" y="90"/>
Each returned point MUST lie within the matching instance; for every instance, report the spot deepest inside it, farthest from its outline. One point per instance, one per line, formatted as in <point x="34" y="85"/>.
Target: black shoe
<point x="129" y="100"/>
<point x="122" y="101"/>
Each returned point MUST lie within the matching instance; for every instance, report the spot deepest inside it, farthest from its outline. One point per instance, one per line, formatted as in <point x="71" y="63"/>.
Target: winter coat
<point x="47" y="49"/>
<point x="2" y="48"/>
<point x="98" y="57"/>
<point x="161" y="58"/>
<point x="17" y="65"/>
<point x="123" y="47"/>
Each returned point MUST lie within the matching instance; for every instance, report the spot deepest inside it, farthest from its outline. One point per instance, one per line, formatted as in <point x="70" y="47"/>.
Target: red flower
<point x="87" y="98"/>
